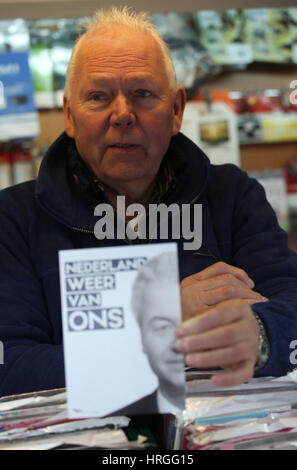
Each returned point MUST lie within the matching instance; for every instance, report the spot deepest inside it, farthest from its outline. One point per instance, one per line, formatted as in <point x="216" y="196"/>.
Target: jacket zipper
<point x="84" y="230"/>
<point x="90" y="232"/>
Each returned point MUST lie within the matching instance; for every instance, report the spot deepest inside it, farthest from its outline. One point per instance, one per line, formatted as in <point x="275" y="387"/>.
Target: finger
<point x="221" y="357"/>
<point x="214" y="282"/>
<point x="198" y="306"/>
<point x="223" y="337"/>
<point x="221" y="268"/>
<point x="242" y="372"/>
<point x="227" y="292"/>
<point x="199" y="294"/>
<point x="207" y="308"/>
<point x="218" y="338"/>
<point x="222" y="314"/>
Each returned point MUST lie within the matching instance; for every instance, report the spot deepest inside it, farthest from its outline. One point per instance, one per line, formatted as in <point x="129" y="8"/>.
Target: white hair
<point x="156" y="271"/>
<point x="104" y="20"/>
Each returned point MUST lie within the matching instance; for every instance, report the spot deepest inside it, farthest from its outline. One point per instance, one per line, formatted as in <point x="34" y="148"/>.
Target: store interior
<point x="238" y="65"/>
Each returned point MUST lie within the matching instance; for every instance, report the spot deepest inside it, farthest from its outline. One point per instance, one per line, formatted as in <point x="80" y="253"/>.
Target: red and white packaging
<point x="5" y="169"/>
<point x="22" y="165"/>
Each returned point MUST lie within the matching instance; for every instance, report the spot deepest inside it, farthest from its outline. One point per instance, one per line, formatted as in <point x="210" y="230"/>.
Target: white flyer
<point x="120" y="309"/>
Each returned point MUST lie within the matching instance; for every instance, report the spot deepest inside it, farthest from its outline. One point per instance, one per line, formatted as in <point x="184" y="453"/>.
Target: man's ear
<point x="178" y="109"/>
<point x="69" y="128"/>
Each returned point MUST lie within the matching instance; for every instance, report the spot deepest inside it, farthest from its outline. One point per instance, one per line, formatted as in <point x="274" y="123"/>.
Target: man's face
<point x="121" y="111"/>
<point x="162" y="316"/>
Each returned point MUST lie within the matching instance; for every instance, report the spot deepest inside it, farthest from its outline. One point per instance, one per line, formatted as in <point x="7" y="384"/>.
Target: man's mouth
<point x="124" y="146"/>
<point x="125" y="149"/>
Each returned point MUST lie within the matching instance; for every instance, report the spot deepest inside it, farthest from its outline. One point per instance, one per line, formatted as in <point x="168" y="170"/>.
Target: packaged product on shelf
<point x="2" y="97"/>
<point x="259" y="33"/>
<point x="265" y="116"/>
<point x="63" y="41"/>
<point x="223" y="34"/>
<point x="14" y="35"/>
<point x="5" y="168"/>
<point x="284" y="26"/>
<point x="293" y="15"/>
<point x="280" y="128"/>
<point x="192" y="62"/>
<point x="272" y="34"/>
<point x="41" y="64"/>
<point x="274" y="184"/>
<point x="18" y="114"/>
<point x="22" y="164"/>
<point x="212" y="125"/>
<point x="238" y="37"/>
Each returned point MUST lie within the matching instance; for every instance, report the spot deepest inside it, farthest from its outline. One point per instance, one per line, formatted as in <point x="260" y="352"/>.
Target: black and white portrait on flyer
<point x="120" y="308"/>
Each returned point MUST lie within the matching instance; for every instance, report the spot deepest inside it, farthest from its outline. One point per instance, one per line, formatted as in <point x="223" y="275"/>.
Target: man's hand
<point x="213" y="285"/>
<point x="219" y="328"/>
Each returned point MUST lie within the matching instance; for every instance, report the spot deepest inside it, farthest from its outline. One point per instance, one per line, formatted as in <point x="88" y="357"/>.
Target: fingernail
<point x="218" y="379"/>
<point x="251" y="282"/>
<point x="180" y="331"/>
<point x="262" y="299"/>
<point x="180" y="345"/>
<point x="192" y="359"/>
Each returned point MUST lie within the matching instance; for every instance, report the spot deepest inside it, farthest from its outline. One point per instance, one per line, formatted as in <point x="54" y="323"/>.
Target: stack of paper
<point x="39" y="421"/>
<point x="258" y="415"/>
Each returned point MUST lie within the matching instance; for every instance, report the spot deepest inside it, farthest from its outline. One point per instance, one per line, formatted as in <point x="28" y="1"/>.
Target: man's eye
<point x="97" y="97"/>
<point x="144" y="93"/>
<point x="161" y="325"/>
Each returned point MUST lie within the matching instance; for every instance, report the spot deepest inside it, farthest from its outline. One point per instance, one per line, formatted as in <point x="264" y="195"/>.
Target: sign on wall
<point x="18" y="115"/>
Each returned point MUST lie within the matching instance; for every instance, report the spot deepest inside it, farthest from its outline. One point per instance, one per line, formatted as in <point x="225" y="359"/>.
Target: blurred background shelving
<point x="260" y="76"/>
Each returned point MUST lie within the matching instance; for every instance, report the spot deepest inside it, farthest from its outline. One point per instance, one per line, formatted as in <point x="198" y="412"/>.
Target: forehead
<point x="121" y="49"/>
<point x="162" y="301"/>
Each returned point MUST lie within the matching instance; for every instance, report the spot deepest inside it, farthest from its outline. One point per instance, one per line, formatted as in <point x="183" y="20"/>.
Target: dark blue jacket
<point x="39" y="218"/>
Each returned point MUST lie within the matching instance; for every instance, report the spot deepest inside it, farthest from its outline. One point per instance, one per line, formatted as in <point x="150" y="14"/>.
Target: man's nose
<point x="122" y="114"/>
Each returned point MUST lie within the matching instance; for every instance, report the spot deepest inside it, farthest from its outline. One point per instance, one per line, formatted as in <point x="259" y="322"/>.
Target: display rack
<point x="256" y="76"/>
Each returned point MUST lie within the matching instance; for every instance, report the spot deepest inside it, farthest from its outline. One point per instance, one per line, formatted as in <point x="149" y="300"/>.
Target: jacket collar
<point x="61" y="197"/>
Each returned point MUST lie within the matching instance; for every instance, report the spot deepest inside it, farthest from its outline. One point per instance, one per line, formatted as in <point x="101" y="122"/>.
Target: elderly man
<point x="123" y="114"/>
